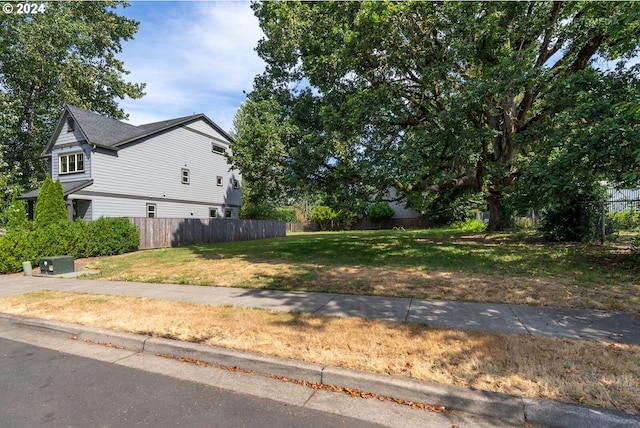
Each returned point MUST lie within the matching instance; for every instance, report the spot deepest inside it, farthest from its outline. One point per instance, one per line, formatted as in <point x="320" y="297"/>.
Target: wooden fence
<point x="176" y="232"/>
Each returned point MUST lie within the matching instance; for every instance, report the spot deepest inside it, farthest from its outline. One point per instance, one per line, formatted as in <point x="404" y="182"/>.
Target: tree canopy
<point x="432" y="96"/>
<point x="66" y="55"/>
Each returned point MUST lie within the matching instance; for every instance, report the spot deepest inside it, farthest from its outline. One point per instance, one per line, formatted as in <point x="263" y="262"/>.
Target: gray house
<point x="173" y="169"/>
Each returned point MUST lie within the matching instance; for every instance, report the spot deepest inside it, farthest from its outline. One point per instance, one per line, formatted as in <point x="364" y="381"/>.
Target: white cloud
<point x="195" y="57"/>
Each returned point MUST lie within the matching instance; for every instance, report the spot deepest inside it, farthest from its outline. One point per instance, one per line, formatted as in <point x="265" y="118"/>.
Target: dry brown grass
<point x="585" y="372"/>
<point x="380" y="281"/>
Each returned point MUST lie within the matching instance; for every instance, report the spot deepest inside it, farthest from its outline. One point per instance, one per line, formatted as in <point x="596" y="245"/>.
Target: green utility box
<point x="56" y="265"/>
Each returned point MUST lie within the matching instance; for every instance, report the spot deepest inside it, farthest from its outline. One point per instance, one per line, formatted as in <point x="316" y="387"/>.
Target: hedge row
<point x="102" y="237"/>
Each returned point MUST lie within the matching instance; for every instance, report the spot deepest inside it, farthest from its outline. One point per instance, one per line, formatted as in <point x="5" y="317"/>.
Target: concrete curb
<point x="538" y="412"/>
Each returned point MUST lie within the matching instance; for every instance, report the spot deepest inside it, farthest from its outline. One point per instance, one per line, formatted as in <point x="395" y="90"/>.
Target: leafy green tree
<point x="430" y="96"/>
<point x="380" y="212"/>
<point x="50" y="205"/>
<point x="66" y="55"/>
<point x="257" y="151"/>
<point x="591" y="135"/>
<point x="17" y="216"/>
<point x="324" y="216"/>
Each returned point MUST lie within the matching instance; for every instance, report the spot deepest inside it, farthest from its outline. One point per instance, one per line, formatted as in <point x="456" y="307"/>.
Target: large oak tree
<point x="430" y="96"/>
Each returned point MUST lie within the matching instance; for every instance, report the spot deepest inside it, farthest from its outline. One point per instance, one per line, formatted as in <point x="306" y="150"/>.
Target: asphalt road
<point x="45" y="388"/>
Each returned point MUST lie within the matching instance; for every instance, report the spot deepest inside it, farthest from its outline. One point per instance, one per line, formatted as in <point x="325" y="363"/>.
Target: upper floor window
<point x="213" y="212"/>
<point x="71" y="125"/>
<point x="71" y="163"/>
<point x="219" y="181"/>
<point x="185" y="176"/>
<point x="236" y="183"/>
<point x="215" y="148"/>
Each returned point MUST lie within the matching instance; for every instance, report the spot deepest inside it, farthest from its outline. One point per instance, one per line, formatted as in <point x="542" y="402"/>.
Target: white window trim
<point x="185" y="178"/>
<point x="219" y="181"/>
<point x="228" y="213"/>
<point x="154" y="210"/>
<point x="217" y="148"/>
<point x="75" y="157"/>
<point x="214" y="211"/>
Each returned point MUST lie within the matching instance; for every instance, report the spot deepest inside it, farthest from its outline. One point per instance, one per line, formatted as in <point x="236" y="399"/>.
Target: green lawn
<point x="438" y="249"/>
<point x="433" y="250"/>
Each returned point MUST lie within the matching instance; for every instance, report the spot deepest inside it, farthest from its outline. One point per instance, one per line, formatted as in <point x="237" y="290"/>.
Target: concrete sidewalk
<point x="618" y="327"/>
<point x="503" y="410"/>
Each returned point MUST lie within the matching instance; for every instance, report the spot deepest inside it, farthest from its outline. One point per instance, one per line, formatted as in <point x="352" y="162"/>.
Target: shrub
<point x="16" y="215"/>
<point x="380" y="212"/>
<point x="469" y="225"/>
<point x="625" y="220"/>
<point x="102" y="237"/>
<point x="323" y="215"/>
<point x="455" y="205"/>
<point x="576" y="216"/>
<point x="50" y="205"/>
<point x="113" y="236"/>
<point x="286" y="214"/>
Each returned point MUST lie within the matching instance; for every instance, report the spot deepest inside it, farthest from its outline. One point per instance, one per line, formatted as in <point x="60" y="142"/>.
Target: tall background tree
<point x="436" y="96"/>
<point x="66" y="55"/>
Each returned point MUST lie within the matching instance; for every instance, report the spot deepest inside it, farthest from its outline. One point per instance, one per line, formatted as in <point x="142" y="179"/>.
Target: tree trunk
<point x="496" y="218"/>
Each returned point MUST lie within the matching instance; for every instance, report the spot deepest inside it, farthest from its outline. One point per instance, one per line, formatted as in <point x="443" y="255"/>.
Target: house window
<point x="236" y="183"/>
<point x="185" y="176"/>
<point x="228" y="213"/>
<point x="213" y="212"/>
<point x="151" y="210"/>
<point x="71" y="163"/>
<point x="71" y="125"/>
<point x="215" y="148"/>
<point x="219" y="181"/>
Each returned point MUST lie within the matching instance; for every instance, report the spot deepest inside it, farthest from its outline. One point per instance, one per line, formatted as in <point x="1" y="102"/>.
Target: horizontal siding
<point x="152" y="169"/>
<point x="67" y="137"/>
<point x="66" y="143"/>
<point x="202" y="126"/>
<point x="76" y="176"/>
<point x="103" y="206"/>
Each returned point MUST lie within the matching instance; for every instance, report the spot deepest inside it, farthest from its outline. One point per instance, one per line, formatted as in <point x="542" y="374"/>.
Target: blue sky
<point x="194" y="56"/>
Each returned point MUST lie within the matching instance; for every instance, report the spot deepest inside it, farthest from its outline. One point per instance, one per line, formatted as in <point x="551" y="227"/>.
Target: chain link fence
<point x="618" y="215"/>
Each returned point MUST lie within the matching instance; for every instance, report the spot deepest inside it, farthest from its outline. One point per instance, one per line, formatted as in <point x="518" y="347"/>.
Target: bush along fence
<point x="176" y="232"/>
<point x="406" y="223"/>
<point x="102" y="237"/>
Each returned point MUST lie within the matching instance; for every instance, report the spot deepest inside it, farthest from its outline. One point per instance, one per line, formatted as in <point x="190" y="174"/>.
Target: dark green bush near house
<point x="102" y="237"/>
<point x="113" y="236"/>
<point x="50" y="205"/>
<point x="380" y="212"/>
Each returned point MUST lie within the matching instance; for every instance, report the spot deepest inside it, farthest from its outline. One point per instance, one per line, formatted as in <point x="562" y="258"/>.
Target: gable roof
<point x="108" y="133"/>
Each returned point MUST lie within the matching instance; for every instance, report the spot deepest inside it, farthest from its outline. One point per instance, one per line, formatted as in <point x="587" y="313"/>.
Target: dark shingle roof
<point x="68" y="187"/>
<point x="102" y="130"/>
<point x="110" y="133"/>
